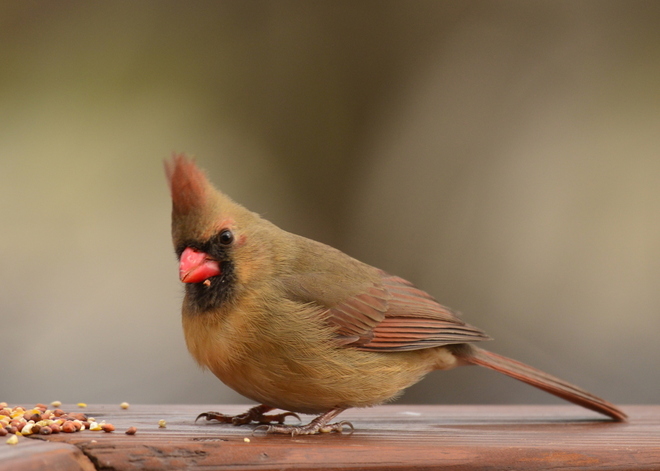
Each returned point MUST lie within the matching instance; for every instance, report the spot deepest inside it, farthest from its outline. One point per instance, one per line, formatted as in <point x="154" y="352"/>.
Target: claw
<point x="274" y="423"/>
<point x="318" y="425"/>
<point x="225" y="419"/>
<point x="337" y="427"/>
<point x="256" y="414"/>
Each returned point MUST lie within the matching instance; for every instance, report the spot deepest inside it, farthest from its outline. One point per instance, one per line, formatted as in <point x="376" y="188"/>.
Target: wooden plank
<point x="36" y="455"/>
<point x="386" y="437"/>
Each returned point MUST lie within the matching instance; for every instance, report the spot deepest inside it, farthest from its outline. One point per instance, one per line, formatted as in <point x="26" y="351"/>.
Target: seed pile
<point x="44" y="421"/>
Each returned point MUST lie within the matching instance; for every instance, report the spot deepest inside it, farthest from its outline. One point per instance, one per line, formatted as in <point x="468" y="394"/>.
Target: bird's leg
<point x="318" y="425"/>
<point x="256" y="414"/>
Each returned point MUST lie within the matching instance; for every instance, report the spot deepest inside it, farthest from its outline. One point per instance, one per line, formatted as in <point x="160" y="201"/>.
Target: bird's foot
<point x="318" y="425"/>
<point x="256" y="414"/>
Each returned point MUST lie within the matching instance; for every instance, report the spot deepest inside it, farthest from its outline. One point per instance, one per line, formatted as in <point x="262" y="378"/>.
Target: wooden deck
<point x="385" y="437"/>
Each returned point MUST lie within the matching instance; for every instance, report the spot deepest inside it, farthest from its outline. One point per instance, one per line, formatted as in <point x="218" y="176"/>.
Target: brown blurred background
<point x="504" y="156"/>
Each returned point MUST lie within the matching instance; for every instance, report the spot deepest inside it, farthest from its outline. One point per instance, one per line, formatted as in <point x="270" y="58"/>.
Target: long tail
<point x="541" y="380"/>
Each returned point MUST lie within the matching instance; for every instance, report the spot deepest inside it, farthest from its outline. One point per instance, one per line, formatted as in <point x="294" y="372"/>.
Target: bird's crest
<point x="188" y="184"/>
<point x="196" y="204"/>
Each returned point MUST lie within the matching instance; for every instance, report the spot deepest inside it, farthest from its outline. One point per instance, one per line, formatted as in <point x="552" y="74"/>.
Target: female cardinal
<point x="300" y="326"/>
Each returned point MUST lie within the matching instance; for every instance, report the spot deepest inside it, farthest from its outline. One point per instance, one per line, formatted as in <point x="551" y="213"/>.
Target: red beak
<point x="196" y="267"/>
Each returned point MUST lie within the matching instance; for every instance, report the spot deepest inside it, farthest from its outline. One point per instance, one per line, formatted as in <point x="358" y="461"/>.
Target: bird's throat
<point x="211" y="294"/>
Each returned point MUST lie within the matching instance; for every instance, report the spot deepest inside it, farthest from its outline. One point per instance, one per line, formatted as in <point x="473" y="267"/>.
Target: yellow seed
<point x="56" y="403"/>
<point x="124" y="405"/>
<point x="27" y="429"/>
<point x="95" y="426"/>
<point x="246" y="440"/>
<point x="3" y="405"/>
<point x="13" y="440"/>
<point x="82" y="405"/>
<point x="162" y="423"/>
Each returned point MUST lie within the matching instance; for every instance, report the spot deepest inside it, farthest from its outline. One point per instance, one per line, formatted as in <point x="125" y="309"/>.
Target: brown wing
<point x="413" y="320"/>
<point x="392" y="315"/>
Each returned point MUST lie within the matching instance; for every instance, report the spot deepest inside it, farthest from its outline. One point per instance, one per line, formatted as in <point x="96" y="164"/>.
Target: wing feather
<point x="395" y="316"/>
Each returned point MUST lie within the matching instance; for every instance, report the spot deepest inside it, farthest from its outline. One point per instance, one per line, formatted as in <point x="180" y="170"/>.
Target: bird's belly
<point x="319" y="382"/>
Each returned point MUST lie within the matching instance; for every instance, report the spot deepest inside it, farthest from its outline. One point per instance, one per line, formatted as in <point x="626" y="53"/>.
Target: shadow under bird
<point x="296" y="325"/>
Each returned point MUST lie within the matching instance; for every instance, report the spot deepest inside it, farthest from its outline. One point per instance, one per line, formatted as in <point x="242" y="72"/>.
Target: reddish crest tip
<point x="187" y="183"/>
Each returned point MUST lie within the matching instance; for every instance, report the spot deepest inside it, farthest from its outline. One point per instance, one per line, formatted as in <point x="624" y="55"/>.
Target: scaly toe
<point x="241" y="419"/>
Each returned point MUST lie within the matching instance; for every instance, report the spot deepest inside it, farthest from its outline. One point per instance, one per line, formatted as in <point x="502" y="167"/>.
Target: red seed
<point x="3" y="431"/>
<point x="46" y="430"/>
<point x="108" y="428"/>
<point x="131" y="431"/>
<point x="68" y="427"/>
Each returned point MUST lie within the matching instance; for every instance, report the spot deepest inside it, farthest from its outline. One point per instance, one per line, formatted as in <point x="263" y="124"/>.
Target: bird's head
<point x="214" y="237"/>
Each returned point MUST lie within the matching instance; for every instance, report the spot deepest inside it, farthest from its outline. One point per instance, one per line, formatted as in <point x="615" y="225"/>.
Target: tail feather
<point x="541" y="380"/>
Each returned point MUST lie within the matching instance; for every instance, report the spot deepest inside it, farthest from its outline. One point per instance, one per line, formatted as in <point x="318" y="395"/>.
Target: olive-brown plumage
<point x="297" y="325"/>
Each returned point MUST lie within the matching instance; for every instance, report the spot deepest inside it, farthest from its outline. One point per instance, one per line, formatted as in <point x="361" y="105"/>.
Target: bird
<point x="298" y="326"/>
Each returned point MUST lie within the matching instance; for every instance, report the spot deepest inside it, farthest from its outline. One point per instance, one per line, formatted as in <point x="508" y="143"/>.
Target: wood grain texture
<point x="386" y="437"/>
<point x="36" y="455"/>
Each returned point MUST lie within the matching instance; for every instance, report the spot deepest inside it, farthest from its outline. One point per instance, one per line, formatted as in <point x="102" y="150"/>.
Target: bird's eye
<point x="226" y="237"/>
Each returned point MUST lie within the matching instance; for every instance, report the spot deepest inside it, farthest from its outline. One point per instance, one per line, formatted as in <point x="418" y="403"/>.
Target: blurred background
<point x="502" y="155"/>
